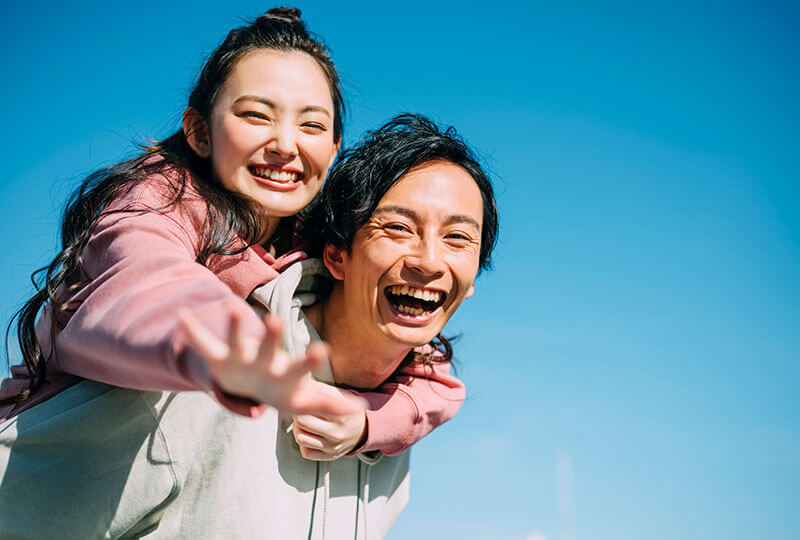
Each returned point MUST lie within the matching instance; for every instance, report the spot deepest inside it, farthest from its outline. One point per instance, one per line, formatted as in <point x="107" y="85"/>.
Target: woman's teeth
<point x="272" y="174"/>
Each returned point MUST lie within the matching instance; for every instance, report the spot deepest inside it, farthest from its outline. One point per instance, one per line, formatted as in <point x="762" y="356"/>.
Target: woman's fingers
<point x="265" y="372"/>
<point x="236" y="339"/>
<point x="311" y="441"/>
<point x="316" y="455"/>
<point x="317" y="354"/>
<point x="316" y="447"/>
<point x="314" y="424"/>
<point x="269" y="352"/>
<point x="315" y="398"/>
<point x="206" y="343"/>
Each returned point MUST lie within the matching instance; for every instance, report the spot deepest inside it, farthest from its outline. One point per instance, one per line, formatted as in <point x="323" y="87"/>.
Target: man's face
<point x="415" y="260"/>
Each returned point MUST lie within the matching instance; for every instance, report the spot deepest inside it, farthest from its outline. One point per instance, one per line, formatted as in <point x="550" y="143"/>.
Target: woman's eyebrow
<point x="315" y="108"/>
<point x="259" y="99"/>
<point x="411" y="214"/>
<point x="271" y="104"/>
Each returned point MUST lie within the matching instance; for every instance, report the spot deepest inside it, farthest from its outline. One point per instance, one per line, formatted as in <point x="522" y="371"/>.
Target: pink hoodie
<point x="124" y="330"/>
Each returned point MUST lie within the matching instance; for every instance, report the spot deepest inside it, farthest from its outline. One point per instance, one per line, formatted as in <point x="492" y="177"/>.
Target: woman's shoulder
<point x="163" y="190"/>
<point x="160" y="186"/>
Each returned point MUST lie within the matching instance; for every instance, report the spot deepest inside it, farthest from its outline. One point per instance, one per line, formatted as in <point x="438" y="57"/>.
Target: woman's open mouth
<point x="413" y="301"/>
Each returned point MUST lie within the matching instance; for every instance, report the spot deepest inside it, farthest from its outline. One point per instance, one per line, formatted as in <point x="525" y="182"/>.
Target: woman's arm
<point x="413" y="402"/>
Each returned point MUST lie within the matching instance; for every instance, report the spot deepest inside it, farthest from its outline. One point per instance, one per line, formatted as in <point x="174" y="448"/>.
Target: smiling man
<point x="408" y="268"/>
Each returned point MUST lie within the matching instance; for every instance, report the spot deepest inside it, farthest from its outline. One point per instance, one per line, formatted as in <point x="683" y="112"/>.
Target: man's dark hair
<point x="363" y="174"/>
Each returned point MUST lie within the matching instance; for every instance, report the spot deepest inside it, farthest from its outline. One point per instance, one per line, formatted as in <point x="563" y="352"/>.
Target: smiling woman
<point x="271" y="135"/>
<point x="146" y="232"/>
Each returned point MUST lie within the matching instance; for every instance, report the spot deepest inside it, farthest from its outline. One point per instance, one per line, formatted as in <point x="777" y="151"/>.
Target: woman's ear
<point x="335" y="153"/>
<point x="335" y="259"/>
<point x="195" y="129"/>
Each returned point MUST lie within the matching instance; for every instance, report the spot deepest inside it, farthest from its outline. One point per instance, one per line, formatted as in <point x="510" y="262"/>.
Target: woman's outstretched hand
<point x="261" y="370"/>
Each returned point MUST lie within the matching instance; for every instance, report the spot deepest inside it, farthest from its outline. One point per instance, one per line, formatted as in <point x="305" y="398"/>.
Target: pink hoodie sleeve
<point x="125" y="331"/>
<point x="413" y="402"/>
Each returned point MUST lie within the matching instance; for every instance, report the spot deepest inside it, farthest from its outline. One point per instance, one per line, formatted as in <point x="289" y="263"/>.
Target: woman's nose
<point x="282" y="141"/>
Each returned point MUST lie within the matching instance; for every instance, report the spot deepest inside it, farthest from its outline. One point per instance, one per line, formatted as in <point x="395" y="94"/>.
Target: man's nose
<point x="426" y="258"/>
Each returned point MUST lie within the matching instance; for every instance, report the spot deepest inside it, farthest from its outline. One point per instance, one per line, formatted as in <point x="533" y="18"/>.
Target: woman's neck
<point x="271" y="225"/>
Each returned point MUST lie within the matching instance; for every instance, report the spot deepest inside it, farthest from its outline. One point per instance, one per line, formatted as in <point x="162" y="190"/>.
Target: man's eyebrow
<point x="388" y="209"/>
<point x="271" y="104"/>
<point x="463" y="218"/>
<point x="411" y="214"/>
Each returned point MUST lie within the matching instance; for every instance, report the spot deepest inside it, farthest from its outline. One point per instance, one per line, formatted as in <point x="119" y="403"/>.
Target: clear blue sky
<point x="633" y="362"/>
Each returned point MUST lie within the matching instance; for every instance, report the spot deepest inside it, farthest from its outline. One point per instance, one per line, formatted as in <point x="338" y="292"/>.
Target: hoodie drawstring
<point x="366" y="498"/>
<point x="362" y="490"/>
<point x="326" y="495"/>
<point x="326" y="491"/>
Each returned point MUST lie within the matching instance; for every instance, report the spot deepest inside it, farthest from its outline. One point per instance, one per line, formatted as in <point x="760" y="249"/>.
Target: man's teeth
<point x="272" y="174"/>
<point x="428" y="296"/>
<point x="410" y="310"/>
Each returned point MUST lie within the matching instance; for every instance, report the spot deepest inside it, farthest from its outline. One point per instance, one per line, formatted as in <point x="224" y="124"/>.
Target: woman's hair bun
<point x="288" y="14"/>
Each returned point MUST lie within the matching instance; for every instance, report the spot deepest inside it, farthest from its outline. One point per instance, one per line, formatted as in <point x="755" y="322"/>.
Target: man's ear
<point x="470" y="291"/>
<point x="334" y="259"/>
<point x="195" y="129"/>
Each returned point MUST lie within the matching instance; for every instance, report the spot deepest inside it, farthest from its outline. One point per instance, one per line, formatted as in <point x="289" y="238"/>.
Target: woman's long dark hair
<point x="231" y="216"/>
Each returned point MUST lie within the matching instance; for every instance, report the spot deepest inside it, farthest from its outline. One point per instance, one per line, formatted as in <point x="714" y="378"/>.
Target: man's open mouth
<point x="414" y="301"/>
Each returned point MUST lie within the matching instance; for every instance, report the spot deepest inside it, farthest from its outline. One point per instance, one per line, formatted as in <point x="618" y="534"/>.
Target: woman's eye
<point x="254" y="114"/>
<point x="395" y="227"/>
<point x="314" y="126"/>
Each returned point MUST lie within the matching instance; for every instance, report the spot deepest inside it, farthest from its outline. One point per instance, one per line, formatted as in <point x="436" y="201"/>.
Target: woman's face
<point x="271" y="130"/>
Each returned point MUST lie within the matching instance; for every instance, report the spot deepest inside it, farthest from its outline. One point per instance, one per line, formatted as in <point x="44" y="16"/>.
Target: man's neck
<point x="357" y="358"/>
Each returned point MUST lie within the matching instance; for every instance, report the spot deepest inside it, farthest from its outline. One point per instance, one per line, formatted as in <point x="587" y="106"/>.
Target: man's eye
<point x="459" y="239"/>
<point x="395" y="227"/>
